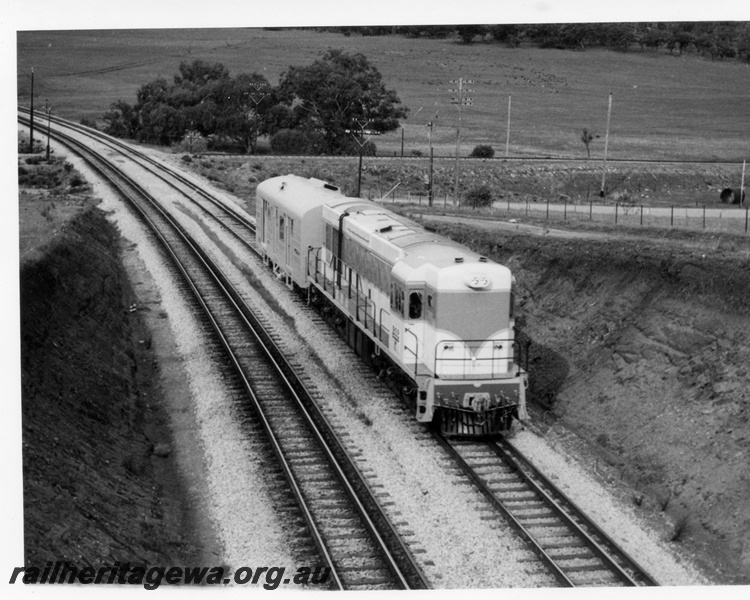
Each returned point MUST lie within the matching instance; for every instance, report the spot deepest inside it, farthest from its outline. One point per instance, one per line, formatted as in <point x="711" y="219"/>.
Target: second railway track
<point x="351" y="534"/>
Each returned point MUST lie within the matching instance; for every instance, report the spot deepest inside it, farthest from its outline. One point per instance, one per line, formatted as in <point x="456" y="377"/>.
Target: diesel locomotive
<point x="417" y="303"/>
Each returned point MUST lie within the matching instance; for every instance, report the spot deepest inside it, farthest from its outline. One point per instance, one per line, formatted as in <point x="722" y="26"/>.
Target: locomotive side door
<point x="287" y="240"/>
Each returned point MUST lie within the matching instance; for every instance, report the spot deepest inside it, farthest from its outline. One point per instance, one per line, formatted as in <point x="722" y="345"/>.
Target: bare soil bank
<point x="99" y="484"/>
<point x="641" y="336"/>
<point x="643" y="349"/>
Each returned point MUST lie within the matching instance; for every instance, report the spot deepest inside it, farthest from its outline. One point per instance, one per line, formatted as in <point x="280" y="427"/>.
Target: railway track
<point x="363" y="552"/>
<point x="572" y="547"/>
<point x="351" y="534"/>
<point x="235" y="222"/>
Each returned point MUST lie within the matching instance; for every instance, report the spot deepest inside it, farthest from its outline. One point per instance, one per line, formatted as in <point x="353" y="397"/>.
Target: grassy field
<point x="664" y="107"/>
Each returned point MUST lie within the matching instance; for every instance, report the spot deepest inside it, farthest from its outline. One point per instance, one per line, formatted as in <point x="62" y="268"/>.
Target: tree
<point x="587" y="138"/>
<point x="121" y="120"/>
<point x="339" y="92"/>
<point x="467" y="33"/>
<point x="202" y="98"/>
<point x="198" y="74"/>
<point x="242" y="104"/>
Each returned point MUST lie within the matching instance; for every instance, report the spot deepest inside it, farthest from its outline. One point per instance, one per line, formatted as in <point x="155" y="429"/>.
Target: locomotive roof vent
<point x="459" y="259"/>
<point x="328" y="186"/>
<point x="385" y="229"/>
<point x="482" y="259"/>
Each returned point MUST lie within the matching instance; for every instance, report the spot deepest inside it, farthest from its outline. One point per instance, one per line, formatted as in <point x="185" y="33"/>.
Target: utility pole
<point x="257" y="97"/>
<point x="507" y="135"/>
<point x="31" y="125"/>
<point x="430" y="125"/>
<point x="359" y="137"/>
<point x="606" y="144"/>
<point x="461" y="101"/>
<point x="49" y="110"/>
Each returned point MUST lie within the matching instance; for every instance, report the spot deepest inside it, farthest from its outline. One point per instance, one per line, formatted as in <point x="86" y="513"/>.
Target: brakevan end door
<point x="261" y="229"/>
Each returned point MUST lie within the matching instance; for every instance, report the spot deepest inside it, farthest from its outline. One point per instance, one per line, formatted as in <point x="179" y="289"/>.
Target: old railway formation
<point x="349" y="532"/>
<point x="235" y="222"/>
<point x="569" y="544"/>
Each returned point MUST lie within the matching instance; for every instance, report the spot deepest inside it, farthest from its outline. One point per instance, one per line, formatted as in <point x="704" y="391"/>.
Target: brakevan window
<point x="281" y="228"/>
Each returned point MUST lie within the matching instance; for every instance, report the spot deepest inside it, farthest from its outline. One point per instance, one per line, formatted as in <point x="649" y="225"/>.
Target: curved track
<point x="349" y="530"/>
<point x="363" y="551"/>
<point x="571" y="546"/>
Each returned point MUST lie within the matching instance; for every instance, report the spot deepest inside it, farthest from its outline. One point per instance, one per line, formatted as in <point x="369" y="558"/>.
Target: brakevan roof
<point x="299" y="195"/>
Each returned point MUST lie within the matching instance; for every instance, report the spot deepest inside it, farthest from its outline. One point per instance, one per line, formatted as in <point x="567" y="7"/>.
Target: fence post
<point x="704" y="216"/>
<point x="527" y="206"/>
<point x="617" y="209"/>
<point x="591" y="210"/>
<point x="746" y="209"/>
<point x="671" y="217"/>
<point x="641" y="214"/>
<point x="565" y="210"/>
<point x="547" y="208"/>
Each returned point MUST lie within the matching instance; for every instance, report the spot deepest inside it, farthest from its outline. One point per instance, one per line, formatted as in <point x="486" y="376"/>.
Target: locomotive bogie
<point x="439" y="314"/>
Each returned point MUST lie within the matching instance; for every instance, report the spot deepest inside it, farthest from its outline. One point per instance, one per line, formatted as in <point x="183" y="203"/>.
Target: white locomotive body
<point x="409" y="298"/>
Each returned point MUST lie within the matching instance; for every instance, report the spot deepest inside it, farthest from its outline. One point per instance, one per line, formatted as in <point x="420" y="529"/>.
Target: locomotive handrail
<point x="416" y="348"/>
<point x="493" y="374"/>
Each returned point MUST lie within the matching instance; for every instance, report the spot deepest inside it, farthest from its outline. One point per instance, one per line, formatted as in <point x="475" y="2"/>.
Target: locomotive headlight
<point x="478" y="282"/>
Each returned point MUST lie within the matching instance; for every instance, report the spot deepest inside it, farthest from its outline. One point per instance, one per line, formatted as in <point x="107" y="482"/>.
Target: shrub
<point x="23" y="143"/>
<point x="192" y="142"/>
<point x="186" y="158"/>
<point x="482" y="151"/>
<point x="351" y="147"/>
<point x="479" y="196"/>
<point x="88" y="123"/>
<point x="292" y="141"/>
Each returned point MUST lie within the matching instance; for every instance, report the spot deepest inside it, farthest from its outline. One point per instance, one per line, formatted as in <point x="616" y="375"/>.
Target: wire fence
<point x="729" y="219"/>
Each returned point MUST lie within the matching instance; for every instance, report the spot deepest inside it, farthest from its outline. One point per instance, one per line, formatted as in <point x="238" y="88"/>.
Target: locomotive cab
<point x="478" y="384"/>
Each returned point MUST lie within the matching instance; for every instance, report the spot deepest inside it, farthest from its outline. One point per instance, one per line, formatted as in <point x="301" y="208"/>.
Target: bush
<point x="192" y="142"/>
<point x="482" y="151"/>
<point x="351" y="147"/>
<point x="292" y="141"/>
<point x="23" y="143"/>
<point x="479" y="196"/>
